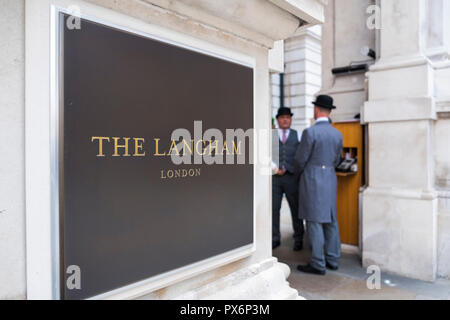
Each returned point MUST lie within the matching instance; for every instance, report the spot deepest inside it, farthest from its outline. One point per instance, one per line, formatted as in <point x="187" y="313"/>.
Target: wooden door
<point x="350" y="184"/>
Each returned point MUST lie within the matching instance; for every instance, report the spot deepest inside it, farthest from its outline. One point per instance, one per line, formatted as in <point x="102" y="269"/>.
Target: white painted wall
<point x="276" y="57"/>
<point x="12" y="150"/>
<point x="302" y="76"/>
<point x="303" y="54"/>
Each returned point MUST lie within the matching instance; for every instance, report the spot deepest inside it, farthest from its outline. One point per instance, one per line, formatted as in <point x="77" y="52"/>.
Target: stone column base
<point x="399" y="232"/>
<point x="261" y="281"/>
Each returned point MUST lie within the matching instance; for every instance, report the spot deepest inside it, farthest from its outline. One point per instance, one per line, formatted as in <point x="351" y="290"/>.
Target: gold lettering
<point x="190" y="147"/>
<point x="212" y="146"/>
<point x="225" y="147"/>
<point x="100" y="145"/>
<point x="117" y="146"/>
<point x="138" y="147"/>
<point x="236" y="150"/>
<point x="157" y="149"/>
<point x="180" y="173"/>
<point x="196" y="148"/>
<point x="173" y="146"/>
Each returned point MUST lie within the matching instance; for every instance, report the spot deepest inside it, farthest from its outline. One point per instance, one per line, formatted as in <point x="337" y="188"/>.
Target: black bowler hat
<point x="283" y="111"/>
<point x="324" y="101"/>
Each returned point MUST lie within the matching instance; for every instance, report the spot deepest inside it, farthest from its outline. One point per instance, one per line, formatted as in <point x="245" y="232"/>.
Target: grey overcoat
<point x="316" y="158"/>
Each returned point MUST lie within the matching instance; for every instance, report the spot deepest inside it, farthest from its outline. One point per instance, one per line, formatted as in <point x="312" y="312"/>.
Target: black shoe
<point x="298" y="246"/>
<point x="275" y="244"/>
<point x="329" y="266"/>
<point x="309" y="269"/>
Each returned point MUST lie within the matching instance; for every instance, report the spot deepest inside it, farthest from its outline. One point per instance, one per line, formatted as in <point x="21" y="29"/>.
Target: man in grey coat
<point x="317" y="156"/>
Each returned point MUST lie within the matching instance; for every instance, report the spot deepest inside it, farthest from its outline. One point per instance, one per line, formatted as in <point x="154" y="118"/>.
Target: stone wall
<point x="442" y="169"/>
<point x="12" y="150"/>
<point x="407" y="87"/>
<point x="344" y="34"/>
<point x="406" y="209"/>
<point x="27" y="259"/>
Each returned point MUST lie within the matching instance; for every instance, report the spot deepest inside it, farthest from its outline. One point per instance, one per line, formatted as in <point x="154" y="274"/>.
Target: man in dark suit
<point x="285" y="179"/>
<point x="317" y="157"/>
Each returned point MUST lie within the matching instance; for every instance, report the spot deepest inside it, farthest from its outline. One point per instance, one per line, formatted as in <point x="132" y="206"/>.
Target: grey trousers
<point x="288" y="185"/>
<point x="325" y="243"/>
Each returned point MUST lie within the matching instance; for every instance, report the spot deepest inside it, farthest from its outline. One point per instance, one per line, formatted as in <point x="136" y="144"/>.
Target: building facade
<point x="29" y="262"/>
<point x="401" y="96"/>
<point x="402" y="100"/>
<point x="301" y="76"/>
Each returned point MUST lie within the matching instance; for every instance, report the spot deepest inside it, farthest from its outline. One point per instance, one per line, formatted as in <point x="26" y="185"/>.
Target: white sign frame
<point x="42" y="102"/>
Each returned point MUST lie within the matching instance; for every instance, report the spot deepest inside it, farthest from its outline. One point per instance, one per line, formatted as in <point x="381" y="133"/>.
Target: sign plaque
<point x="127" y="211"/>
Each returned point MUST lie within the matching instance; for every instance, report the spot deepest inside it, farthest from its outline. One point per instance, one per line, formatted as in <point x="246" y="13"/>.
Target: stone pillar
<point x="438" y="36"/>
<point x="302" y="79"/>
<point x="344" y="18"/>
<point x="399" y="222"/>
<point x="438" y="51"/>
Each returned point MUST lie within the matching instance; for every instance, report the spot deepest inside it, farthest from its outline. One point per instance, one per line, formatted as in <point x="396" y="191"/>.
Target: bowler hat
<point x="324" y="101"/>
<point x="283" y="111"/>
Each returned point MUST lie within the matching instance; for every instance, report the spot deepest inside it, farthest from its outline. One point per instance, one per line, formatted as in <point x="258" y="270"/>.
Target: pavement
<point x="350" y="281"/>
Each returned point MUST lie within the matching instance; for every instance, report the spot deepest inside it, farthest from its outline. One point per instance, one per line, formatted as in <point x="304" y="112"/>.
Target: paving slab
<point x="350" y="281"/>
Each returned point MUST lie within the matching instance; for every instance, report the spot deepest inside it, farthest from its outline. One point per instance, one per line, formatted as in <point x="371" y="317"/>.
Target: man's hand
<point x="281" y="172"/>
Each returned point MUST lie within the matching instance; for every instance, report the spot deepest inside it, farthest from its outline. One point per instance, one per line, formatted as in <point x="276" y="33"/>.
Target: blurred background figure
<point x="285" y="179"/>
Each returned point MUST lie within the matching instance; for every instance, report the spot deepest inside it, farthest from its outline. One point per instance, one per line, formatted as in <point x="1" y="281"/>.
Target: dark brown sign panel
<point x="127" y="212"/>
